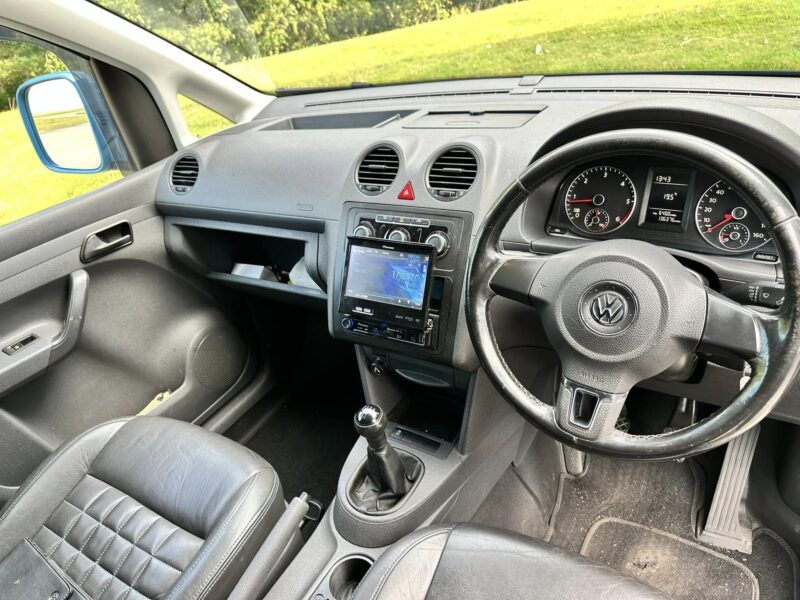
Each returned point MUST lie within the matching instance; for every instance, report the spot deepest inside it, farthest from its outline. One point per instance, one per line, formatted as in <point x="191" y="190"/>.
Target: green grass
<point x="534" y="37"/>
<point x="555" y="36"/>
<point x="28" y="186"/>
<point x="201" y="121"/>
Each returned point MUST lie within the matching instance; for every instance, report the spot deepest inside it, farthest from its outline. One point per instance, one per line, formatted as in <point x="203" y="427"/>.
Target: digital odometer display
<point x="668" y="192"/>
<point x="387" y="276"/>
<point x="600" y="199"/>
<point x="727" y="222"/>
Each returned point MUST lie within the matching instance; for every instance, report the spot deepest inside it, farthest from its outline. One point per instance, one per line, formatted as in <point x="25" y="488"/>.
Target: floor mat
<point x="678" y="567"/>
<point x="307" y="445"/>
<point x="663" y="495"/>
<point x="309" y="436"/>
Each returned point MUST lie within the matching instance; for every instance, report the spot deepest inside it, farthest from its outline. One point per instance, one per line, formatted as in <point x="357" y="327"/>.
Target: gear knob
<point x="370" y="422"/>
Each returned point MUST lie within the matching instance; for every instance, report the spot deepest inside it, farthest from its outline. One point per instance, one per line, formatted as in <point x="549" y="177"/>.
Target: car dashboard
<point x="420" y="165"/>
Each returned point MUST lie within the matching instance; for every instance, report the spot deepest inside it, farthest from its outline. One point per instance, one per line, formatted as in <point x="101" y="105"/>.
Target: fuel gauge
<point x="596" y="220"/>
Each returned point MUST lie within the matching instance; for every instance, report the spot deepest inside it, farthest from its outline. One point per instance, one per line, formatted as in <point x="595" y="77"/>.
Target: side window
<point x="201" y="120"/>
<point x="29" y="186"/>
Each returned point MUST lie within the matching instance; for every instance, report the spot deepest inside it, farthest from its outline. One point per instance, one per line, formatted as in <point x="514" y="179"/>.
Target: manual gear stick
<point x="384" y="465"/>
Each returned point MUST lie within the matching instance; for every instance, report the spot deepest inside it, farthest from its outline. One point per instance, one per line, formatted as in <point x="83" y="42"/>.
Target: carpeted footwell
<point x="661" y="501"/>
<point x="640" y="518"/>
<point x="667" y="562"/>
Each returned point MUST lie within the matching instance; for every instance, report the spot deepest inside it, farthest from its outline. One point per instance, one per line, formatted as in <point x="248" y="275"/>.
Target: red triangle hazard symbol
<point x="407" y="193"/>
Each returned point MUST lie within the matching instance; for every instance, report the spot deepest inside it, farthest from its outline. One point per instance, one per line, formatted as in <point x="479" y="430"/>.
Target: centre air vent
<point x="184" y="174"/>
<point x="452" y="173"/>
<point x="377" y="170"/>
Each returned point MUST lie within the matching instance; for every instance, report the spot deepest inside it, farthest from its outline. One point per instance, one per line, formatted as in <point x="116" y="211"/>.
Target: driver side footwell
<point x="668" y="562"/>
<point x="640" y="518"/>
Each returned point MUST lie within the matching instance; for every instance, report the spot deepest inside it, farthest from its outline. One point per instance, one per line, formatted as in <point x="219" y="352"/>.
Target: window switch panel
<point x="12" y="349"/>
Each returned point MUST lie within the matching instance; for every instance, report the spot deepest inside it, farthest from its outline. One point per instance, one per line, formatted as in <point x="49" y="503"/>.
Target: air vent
<point x="452" y="173"/>
<point x="377" y="170"/>
<point x="184" y="174"/>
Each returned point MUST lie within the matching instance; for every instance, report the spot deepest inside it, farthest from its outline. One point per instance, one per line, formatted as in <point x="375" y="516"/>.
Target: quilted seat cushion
<point x="147" y="508"/>
<point x="112" y="546"/>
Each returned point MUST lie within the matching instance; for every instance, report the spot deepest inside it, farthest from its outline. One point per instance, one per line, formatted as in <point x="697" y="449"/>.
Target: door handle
<point x="66" y="340"/>
<point x="106" y="241"/>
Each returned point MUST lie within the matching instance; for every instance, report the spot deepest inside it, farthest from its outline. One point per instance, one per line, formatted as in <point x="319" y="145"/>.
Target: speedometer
<point x="600" y="199"/>
<point x="727" y="222"/>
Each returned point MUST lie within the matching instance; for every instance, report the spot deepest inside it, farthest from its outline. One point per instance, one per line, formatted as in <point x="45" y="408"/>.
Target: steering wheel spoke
<point x="514" y="278"/>
<point x="585" y="412"/>
<point x="731" y="329"/>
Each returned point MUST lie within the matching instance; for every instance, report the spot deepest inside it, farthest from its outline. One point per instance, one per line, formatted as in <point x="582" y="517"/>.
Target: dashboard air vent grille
<point x="452" y="173"/>
<point x="377" y="170"/>
<point x="184" y="174"/>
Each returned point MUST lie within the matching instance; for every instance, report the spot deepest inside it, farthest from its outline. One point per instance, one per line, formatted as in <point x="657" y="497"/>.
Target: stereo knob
<point x="399" y="234"/>
<point x="440" y="241"/>
<point x="347" y="323"/>
<point x="364" y="230"/>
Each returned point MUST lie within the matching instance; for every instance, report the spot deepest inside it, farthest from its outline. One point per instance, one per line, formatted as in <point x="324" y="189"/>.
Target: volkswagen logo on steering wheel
<point x="608" y="308"/>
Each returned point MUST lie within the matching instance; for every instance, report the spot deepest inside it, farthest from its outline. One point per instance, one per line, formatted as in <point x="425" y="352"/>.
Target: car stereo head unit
<point x="387" y="282"/>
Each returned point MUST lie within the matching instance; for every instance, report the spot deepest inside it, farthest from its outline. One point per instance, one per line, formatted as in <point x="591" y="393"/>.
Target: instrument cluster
<point x="662" y="202"/>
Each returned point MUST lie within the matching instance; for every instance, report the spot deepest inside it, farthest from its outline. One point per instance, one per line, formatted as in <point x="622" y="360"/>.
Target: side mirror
<point x="61" y="124"/>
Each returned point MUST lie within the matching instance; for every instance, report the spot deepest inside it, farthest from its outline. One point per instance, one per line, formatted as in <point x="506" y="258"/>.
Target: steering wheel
<point x="618" y="312"/>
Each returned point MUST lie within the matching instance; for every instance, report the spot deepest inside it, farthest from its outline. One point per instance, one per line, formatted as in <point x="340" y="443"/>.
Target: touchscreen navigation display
<point x="395" y="277"/>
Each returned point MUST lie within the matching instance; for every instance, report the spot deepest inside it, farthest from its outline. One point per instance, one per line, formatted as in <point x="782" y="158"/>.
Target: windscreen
<point x="280" y="44"/>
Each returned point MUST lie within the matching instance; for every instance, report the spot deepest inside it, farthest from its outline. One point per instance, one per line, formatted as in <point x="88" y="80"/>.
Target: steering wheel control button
<point x="608" y="308"/>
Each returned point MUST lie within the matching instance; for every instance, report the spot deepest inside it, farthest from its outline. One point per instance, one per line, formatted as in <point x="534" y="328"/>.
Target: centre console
<point x="399" y="277"/>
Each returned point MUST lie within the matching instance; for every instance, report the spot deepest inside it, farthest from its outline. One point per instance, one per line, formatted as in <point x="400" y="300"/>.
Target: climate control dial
<point x="440" y="241"/>
<point x="398" y="234"/>
<point x="364" y="230"/>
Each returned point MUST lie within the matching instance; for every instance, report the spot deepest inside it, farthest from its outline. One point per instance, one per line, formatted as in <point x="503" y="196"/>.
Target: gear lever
<point x="384" y="466"/>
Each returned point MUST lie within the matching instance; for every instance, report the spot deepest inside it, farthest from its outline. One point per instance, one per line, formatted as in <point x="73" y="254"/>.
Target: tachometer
<point x="727" y="222"/>
<point x="600" y="199"/>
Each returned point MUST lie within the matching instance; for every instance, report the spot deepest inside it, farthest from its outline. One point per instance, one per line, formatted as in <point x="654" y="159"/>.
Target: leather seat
<point x="461" y="562"/>
<point x="147" y="508"/>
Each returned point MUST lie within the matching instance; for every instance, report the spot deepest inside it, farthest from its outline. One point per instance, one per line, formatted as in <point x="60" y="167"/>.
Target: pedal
<point x="684" y="415"/>
<point x="727" y="525"/>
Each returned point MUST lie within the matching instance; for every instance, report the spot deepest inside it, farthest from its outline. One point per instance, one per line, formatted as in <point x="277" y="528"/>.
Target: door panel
<point x="149" y="327"/>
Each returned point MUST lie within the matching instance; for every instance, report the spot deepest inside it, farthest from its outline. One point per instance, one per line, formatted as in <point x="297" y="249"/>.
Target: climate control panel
<point x="405" y="228"/>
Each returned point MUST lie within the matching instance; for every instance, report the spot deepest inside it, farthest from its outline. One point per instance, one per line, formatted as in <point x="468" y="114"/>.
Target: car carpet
<point x="307" y="445"/>
<point x="640" y="517"/>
